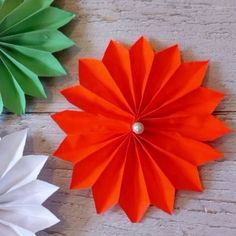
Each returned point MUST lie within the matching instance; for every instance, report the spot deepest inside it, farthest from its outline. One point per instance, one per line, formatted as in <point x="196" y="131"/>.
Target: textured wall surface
<point x="205" y="29"/>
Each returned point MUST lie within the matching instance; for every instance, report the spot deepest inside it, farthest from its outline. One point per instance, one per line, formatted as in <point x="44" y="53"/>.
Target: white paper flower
<point x="21" y="193"/>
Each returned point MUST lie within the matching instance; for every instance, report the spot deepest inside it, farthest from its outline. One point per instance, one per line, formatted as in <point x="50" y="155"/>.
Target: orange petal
<point x="76" y="122"/>
<point x="186" y="79"/>
<point x="134" y="197"/>
<point x="141" y="58"/>
<point x="87" y="171"/>
<point x="106" y="190"/>
<point x="200" y="101"/>
<point x="181" y="173"/>
<point x="94" y="76"/>
<point x="75" y="148"/>
<point x="90" y="102"/>
<point x="165" y="64"/>
<point x="195" y="152"/>
<point x="161" y="191"/>
<point x="117" y="61"/>
<point x="202" y="128"/>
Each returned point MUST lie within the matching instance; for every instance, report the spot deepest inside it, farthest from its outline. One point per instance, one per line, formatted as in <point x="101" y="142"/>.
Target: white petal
<point x="26" y="170"/>
<point x="35" y="192"/>
<point x="11" y="150"/>
<point x="8" y="229"/>
<point x="31" y="217"/>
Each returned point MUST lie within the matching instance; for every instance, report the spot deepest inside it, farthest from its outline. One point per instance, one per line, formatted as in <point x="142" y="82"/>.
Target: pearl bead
<point x="137" y="128"/>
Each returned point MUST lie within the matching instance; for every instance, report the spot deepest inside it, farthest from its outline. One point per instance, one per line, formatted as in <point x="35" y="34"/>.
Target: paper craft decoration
<point x="21" y="193"/>
<point x="144" y="128"/>
<point x="28" y="36"/>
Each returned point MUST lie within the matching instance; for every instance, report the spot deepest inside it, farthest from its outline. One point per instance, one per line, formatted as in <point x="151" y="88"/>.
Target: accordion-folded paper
<point x="28" y="36"/>
<point x="143" y="130"/>
<point x="21" y="193"/>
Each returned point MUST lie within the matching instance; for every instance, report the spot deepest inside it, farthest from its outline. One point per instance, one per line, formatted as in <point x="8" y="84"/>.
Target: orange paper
<point x="143" y="130"/>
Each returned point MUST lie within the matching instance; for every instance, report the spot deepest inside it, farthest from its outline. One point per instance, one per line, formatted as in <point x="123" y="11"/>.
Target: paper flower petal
<point x="117" y="61"/>
<point x="199" y="127"/>
<point x="160" y="189"/>
<point x="134" y="198"/>
<point x="91" y="102"/>
<point x="28" y="36"/>
<point x="165" y="64"/>
<point x="141" y="59"/>
<point x="106" y="189"/>
<point x="200" y="101"/>
<point x="10" y="156"/>
<point x="144" y="129"/>
<point x="14" y="230"/>
<point x="90" y="70"/>
<point x="21" y="194"/>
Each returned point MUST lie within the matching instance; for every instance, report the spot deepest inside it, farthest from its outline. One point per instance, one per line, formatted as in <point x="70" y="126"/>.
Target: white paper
<point x="21" y="193"/>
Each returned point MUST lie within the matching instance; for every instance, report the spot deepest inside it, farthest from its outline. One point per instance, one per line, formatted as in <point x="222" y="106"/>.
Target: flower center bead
<point x="138" y="128"/>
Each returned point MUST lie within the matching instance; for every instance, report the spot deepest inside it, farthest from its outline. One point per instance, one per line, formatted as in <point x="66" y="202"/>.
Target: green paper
<point x="40" y="62"/>
<point x="46" y="40"/>
<point x="32" y="87"/>
<point x="50" y="18"/>
<point x="28" y="36"/>
<point x="1" y="104"/>
<point x="10" y="89"/>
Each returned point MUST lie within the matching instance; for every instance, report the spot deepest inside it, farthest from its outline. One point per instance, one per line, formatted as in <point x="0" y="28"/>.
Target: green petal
<point x="28" y="81"/>
<point x="49" y="18"/>
<point x="7" y="7"/>
<point x="46" y="40"/>
<point x="24" y="11"/>
<point x="12" y="95"/>
<point x="40" y="62"/>
<point x="1" y="104"/>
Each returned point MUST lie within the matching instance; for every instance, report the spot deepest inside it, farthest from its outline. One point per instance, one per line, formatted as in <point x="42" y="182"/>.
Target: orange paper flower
<point x="143" y="130"/>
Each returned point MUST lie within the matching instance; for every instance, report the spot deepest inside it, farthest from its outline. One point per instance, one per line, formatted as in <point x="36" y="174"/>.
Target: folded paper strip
<point x="21" y="193"/>
<point x="143" y="130"/>
<point x="28" y="36"/>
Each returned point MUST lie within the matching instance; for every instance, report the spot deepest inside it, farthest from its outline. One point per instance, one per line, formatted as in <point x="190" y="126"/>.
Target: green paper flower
<point x="28" y="36"/>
